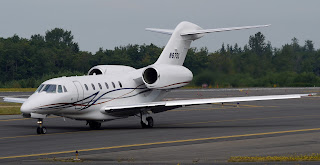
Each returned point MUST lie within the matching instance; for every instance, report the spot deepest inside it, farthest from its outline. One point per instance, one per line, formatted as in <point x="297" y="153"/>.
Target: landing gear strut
<point x="41" y="129"/>
<point x="94" y="124"/>
<point x="146" y="121"/>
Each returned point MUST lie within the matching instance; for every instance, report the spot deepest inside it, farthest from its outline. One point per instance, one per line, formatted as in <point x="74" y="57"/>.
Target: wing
<point x="14" y="100"/>
<point x="156" y="107"/>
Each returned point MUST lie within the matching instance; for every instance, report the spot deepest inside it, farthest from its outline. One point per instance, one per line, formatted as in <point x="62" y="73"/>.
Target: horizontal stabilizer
<point x="163" y="31"/>
<point x="202" y="31"/>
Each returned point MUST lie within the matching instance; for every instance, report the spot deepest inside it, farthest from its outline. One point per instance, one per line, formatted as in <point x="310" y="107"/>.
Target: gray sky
<point x="110" y="23"/>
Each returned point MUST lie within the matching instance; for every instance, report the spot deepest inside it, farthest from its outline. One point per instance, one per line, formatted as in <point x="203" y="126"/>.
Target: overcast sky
<point x="110" y="23"/>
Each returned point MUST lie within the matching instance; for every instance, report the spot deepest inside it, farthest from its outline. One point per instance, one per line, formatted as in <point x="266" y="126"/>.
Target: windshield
<point x="39" y="88"/>
<point x="50" y="88"/>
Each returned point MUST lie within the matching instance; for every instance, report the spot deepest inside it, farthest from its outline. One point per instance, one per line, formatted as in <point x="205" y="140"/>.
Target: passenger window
<point x="114" y="86"/>
<point x="65" y="89"/>
<point x="100" y="86"/>
<point x="120" y="84"/>
<point x="107" y="85"/>
<point x="85" y="85"/>
<point x="59" y="89"/>
<point x="94" y="88"/>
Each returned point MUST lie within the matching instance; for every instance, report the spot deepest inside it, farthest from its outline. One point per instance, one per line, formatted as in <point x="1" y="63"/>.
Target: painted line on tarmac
<point x="191" y="123"/>
<point x="159" y="143"/>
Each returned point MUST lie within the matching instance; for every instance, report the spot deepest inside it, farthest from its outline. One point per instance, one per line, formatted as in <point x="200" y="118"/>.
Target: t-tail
<point x="167" y="72"/>
<point x="181" y="37"/>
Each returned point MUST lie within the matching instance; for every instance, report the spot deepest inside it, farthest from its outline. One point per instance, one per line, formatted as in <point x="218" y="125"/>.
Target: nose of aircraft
<point x="26" y="108"/>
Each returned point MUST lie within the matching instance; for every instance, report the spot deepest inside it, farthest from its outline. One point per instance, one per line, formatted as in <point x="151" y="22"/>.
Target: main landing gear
<point x="146" y="120"/>
<point x="41" y="129"/>
<point x="94" y="124"/>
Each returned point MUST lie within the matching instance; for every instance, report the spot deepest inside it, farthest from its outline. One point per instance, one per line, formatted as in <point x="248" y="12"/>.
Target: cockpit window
<point x="65" y="89"/>
<point x="50" y="88"/>
<point x="59" y="89"/>
<point x="39" y="88"/>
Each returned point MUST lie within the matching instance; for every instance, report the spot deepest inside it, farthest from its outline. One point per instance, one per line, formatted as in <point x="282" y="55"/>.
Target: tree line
<point x="29" y="62"/>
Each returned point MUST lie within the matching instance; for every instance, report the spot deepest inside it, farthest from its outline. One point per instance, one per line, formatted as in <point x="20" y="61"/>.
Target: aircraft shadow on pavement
<point x="138" y="127"/>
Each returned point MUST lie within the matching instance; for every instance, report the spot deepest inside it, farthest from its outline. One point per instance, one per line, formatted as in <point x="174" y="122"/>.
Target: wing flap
<point x="232" y="99"/>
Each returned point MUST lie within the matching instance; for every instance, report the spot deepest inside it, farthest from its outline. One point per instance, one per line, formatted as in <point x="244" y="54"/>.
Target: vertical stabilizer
<point x="177" y="47"/>
<point x="181" y="37"/>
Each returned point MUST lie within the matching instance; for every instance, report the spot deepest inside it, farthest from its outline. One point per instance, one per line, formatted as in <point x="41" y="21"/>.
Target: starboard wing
<point x="156" y="107"/>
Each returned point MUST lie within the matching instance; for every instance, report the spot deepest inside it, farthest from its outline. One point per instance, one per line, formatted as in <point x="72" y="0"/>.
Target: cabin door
<point x="79" y="103"/>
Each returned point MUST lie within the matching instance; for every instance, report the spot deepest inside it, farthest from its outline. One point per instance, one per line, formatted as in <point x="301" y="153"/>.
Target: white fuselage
<point x="85" y="96"/>
<point x="122" y="88"/>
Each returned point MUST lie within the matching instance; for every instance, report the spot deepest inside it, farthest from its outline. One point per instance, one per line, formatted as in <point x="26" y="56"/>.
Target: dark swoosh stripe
<point x="87" y="103"/>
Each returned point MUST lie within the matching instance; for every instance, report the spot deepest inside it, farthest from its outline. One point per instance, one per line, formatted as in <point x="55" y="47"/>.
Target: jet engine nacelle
<point x="109" y="69"/>
<point x="164" y="76"/>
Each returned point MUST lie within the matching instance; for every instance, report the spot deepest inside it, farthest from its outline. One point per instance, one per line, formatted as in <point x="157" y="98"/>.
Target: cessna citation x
<point x="111" y="92"/>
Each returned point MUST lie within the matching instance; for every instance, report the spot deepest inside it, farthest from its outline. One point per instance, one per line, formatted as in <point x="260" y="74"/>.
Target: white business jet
<point x="111" y="92"/>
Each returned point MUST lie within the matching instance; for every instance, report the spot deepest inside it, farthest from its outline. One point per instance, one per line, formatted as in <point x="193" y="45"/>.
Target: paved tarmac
<point x="204" y="134"/>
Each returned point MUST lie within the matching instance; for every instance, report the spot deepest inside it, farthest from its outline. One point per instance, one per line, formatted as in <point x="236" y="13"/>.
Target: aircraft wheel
<point x="94" y="125"/>
<point x="41" y="130"/>
<point x="150" y="122"/>
<point x="143" y="125"/>
<point x="38" y="130"/>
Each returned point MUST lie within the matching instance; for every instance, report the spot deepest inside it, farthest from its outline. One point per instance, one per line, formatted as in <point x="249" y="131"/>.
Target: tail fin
<point x="181" y="37"/>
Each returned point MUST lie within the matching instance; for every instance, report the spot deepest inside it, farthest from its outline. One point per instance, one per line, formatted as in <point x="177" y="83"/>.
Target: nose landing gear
<point x="41" y="129"/>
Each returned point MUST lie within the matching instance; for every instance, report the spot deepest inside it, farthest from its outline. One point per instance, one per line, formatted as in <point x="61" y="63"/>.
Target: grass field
<point x="290" y="158"/>
<point x="17" y="89"/>
<point x="10" y="108"/>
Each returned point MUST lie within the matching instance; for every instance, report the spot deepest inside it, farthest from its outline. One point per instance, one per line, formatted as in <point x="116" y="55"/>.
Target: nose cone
<point x="26" y="108"/>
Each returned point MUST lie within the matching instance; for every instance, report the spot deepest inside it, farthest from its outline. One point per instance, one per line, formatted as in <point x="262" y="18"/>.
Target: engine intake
<point x="150" y="75"/>
<point x="165" y="76"/>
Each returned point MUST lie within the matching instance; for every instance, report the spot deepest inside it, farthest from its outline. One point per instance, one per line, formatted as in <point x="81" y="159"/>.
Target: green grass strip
<point x="10" y="110"/>
<point x="311" y="157"/>
<point x="17" y="89"/>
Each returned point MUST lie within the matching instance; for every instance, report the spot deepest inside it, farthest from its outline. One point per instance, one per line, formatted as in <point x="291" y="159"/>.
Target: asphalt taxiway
<point x="196" y="134"/>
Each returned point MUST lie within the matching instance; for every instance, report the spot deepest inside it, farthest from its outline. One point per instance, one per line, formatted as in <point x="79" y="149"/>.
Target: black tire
<point x="143" y="125"/>
<point x="38" y="130"/>
<point x="150" y="122"/>
<point x="94" y="125"/>
<point x="43" y="130"/>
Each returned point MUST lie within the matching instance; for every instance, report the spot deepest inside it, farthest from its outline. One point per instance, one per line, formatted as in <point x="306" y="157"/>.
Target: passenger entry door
<point x="79" y="103"/>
